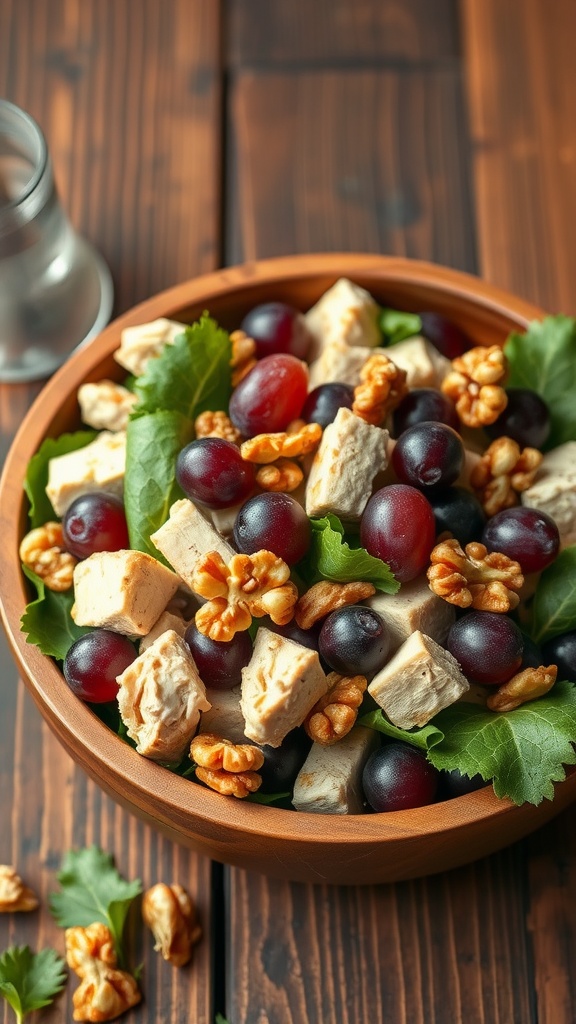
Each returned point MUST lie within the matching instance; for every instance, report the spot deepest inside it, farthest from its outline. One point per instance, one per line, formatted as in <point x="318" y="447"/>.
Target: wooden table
<point x="190" y="134"/>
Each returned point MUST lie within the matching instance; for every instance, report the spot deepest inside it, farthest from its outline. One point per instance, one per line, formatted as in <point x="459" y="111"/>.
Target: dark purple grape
<point x="212" y="472"/>
<point x="324" y="402"/>
<point x="428" y="455"/>
<point x="561" y="651"/>
<point x="277" y="327"/>
<point x="276" y="522"/>
<point x="354" y="640"/>
<point x="398" y="527"/>
<point x="526" y="419"/>
<point x="449" y="339"/>
<point x="270" y="396"/>
<point x="526" y="535"/>
<point x="423" y="404"/>
<point x="95" y="522"/>
<point x="219" y="663"/>
<point x="94" y="661"/>
<point x="454" y="784"/>
<point x="487" y="645"/>
<point x="397" y="777"/>
<point x="282" y="764"/>
<point x="458" y="511"/>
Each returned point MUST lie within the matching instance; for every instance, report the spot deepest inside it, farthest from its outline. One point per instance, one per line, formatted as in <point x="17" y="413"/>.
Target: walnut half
<point x="42" y="551"/>
<point x="475" y="384"/>
<point x="325" y="596"/>
<point x="14" y="895"/>
<point x="487" y="582"/>
<point x="171" y="916"/>
<point x="105" y="991"/>
<point x="527" y="685"/>
<point x="250" y="586"/>
<point x="502" y="473"/>
<point x="333" y="716"/>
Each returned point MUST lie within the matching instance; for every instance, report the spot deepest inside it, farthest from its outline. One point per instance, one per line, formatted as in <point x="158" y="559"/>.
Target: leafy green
<point x="269" y="798"/>
<point x="423" y="739"/>
<point x="544" y="359"/>
<point x="331" y="558"/>
<point x="41" y="510"/>
<point x="29" y="981"/>
<point x="92" y="890"/>
<point x="397" y="326"/>
<point x="47" y="622"/>
<point x="554" y="604"/>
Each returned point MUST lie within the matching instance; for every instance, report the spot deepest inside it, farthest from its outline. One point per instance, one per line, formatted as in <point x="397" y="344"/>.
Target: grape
<point x="276" y="522"/>
<point x="94" y="661"/>
<point x="398" y="527"/>
<point x="397" y="777"/>
<point x="525" y="534"/>
<point x="449" y="339"/>
<point x="458" y="511"/>
<point x="531" y="655"/>
<point x="292" y="631"/>
<point x="277" y="327"/>
<point x="354" y="640"/>
<point x="324" y="402"/>
<point x="428" y="454"/>
<point x="455" y="783"/>
<point x="212" y="472"/>
<point x="525" y="419"/>
<point x="270" y="396"/>
<point x="95" y="522"/>
<point x="561" y="651"/>
<point x="424" y="404"/>
<point x="219" y="663"/>
<point x="487" y="645"/>
<point x="282" y="764"/>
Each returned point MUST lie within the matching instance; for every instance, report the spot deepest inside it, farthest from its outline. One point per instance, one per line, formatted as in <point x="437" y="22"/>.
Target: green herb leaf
<point x="544" y="359"/>
<point x="554" y="604"/>
<point x="523" y="751"/>
<point x="331" y="558"/>
<point x="29" y="981"/>
<point x="92" y="890"/>
<point x="47" y="622"/>
<point x="397" y="326"/>
<point x="424" y="739"/>
<point x="268" y="798"/>
<point x="41" y="510"/>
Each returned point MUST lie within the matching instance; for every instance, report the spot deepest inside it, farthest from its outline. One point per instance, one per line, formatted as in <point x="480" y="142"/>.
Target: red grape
<point x="398" y="527"/>
<point x="397" y="777"/>
<point x="276" y="522"/>
<point x="428" y="455"/>
<point x="270" y="396"/>
<point x="95" y="522"/>
<point x="487" y="645"/>
<point x="277" y="327"/>
<point x="525" y="534"/>
<point x="212" y="471"/>
<point x="219" y="663"/>
<point x="94" y="661"/>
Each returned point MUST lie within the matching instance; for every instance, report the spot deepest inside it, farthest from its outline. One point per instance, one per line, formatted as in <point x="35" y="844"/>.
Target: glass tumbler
<point x="55" y="290"/>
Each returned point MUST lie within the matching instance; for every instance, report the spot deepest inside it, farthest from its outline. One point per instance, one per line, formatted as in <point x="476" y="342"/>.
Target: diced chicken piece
<point x="471" y="460"/>
<point x="225" y="717"/>
<point x="280" y="685"/>
<point x="144" y="342"/>
<point x="346" y="312"/>
<point x="341" y="362"/>
<point x="330" y="780"/>
<point x="554" y="490"/>
<point x="425" y="366"/>
<point x="351" y="454"/>
<point x="161" y="697"/>
<point x="99" y="466"/>
<point x="223" y="519"/>
<point x="413" y="607"/>
<point x="418" y="682"/>
<point x="167" y="620"/>
<point x="121" y="590"/>
<point x="105" y="405"/>
<point x="186" y="536"/>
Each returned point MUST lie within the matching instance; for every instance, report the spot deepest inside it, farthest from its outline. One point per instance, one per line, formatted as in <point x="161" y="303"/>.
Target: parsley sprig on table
<point x="29" y="981"/>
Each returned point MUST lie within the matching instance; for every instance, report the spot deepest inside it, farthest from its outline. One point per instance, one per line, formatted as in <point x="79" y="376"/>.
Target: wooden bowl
<point x="359" y="849"/>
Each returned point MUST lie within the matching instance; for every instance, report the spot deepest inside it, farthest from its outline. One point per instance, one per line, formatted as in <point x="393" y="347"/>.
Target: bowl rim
<point x="68" y="716"/>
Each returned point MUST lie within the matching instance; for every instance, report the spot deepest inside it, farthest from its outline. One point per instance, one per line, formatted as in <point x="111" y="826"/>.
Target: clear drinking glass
<point x="55" y="290"/>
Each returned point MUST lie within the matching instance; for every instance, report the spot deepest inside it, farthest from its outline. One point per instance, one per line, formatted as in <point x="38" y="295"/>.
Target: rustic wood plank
<point x="336" y="32"/>
<point x="362" y="160"/>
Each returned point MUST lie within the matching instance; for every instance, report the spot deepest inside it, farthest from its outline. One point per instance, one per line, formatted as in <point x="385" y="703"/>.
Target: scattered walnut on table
<point x="382" y="387"/>
<point x="42" y="550"/>
<point x="527" y="685"/>
<point x="265" y="448"/>
<point x="171" y="915"/>
<point x="216" y="424"/>
<point x="486" y="581"/>
<point x="105" y="991"/>
<point x="334" y="715"/>
<point x="250" y="586"/>
<point x="14" y="895"/>
<point x="324" y="597"/>
<point x="475" y="385"/>
<point x="503" y="471"/>
<point x="93" y="942"/>
<point x="243" y="358"/>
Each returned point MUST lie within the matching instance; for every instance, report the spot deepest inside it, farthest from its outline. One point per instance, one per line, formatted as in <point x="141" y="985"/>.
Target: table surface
<point x="191" y="134"/>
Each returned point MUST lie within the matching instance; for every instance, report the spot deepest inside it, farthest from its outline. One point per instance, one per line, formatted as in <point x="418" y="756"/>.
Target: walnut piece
<point x="216" y="424"/>
<point x="14" y="895"/>
<point x="93" y="942"/>
<point x="487" y="582"/>
<point x="42" y="551"/>
<point x="212" y="751"/>
<point x="250" y="586"/>
<point x="238" y="784"/>
<point x="333" y="716"/>
<point x="382" y="386"/>
<point x="105" y="992"/>
<point x="527" y="685"/>
<point x="284" y="475"/>
<point x="264" y="448"/>
<point x="171" y="916"/>
<point x="475" y="385"/>
<point x="502" y="473"/>
<point x="243" y="358"/>
<point x="105" y="405"/>
<point x="324" y="597"/>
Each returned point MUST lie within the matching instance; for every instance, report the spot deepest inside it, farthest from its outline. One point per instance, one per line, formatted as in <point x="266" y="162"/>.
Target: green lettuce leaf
<point x="41" y="510"/>
<point x="47" y="622"/>
<point x="331" y="558"/>
<point x="29" y="981"/>
<point x="397" y="326"/>
<point x="424" y="739"/>
<point x="544" y="359"/>
<point x="554" y="604"/>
